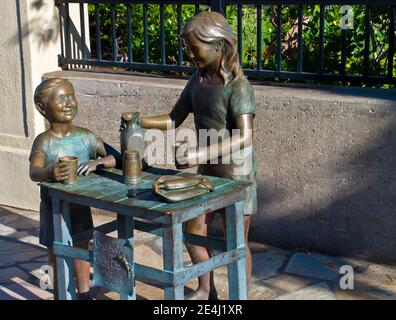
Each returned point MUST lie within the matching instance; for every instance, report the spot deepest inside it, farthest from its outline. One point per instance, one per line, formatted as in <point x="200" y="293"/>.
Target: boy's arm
<point x="105" y="161"/>
<point x="40" y="172"/>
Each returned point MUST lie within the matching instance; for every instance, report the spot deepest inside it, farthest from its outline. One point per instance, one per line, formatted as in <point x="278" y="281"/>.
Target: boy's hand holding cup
<point x="65" y="170"/>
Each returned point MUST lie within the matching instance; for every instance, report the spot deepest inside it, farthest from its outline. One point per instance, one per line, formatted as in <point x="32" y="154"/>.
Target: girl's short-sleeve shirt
<point x="215" y="108"/>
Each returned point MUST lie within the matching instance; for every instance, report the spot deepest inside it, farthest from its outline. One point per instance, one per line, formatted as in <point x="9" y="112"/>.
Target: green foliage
<point x="355" y="38"/>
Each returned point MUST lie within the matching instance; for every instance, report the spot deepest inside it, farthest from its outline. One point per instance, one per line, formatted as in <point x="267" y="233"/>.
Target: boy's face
<point x="62" y="104"/>
<point x="203" y="54"/>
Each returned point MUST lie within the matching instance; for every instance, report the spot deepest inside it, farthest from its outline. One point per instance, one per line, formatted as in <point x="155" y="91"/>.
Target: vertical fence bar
<point x="343" y="51"/>
<point x="279" y="37"/>
<point x="162" y="35"/>
<point x="114" y="50"/>
<point x="179" y="41"/>
<point x="321" y="39"/>
<point x="196" y="9"/>
<point x="67" y="32"/>
<point x="391" y="52"/>
<point x="145" y="27"/>
<point x="300" y="40"/>
<point x="97" y="33"/>
<point x="82" y="28"/>
<point x="239" y="8"/>
<point x="61" y="34"/>
<point x="217" y="5"/>
<point x="129" y="33"/>
<point x="367" y="32"/>
<point x="259" y="36"/>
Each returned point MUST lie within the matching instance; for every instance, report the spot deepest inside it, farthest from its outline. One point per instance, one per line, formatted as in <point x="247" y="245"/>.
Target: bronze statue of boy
<point x="56" y="101"/>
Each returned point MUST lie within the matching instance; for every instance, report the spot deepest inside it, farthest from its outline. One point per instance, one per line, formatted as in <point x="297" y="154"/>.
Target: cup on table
<point x="132" y="167"/>
<point x="73" y="163"/>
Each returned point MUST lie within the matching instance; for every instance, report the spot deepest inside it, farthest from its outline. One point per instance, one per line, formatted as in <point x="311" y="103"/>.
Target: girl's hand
<point x="87" y="167"/>
<point x="185" y="157"/>
<point x="60" y="171"/>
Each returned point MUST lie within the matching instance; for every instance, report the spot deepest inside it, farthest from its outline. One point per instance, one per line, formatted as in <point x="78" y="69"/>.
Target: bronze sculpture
<point x="132" y="135"/>
<point x="56" y="101"/>
<point x="220" y="97"/>
<point x="175" y="188"/>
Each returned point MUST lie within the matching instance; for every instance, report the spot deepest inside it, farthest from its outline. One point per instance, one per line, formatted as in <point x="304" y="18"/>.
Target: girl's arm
<point x="163" y="122"/>
<point x="243" y="139"/>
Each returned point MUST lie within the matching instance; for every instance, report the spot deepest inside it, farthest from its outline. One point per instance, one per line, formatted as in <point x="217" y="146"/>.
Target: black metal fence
<point x="75" y="51"/>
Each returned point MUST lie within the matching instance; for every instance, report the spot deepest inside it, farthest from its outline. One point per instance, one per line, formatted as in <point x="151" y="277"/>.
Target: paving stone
<point x="287" y="282"/>
<point x="314" y="266"/>
<point x="6" y="230"/>
<point x="259" y="247"/>
<point x="8" y="219"/>
<point x="265" y="265"/>
<point x="145" y="291"/>
<point x="25" y="237"/>
<point x="260" y="292"/>
<point x="7" y="274"/>
<point x="26" y="214"/>
<point x="14" y="252"/>
<point x="380" y="277"/>
<point x="35" y="270"/>
<point x="18" y="221"/>
<point x="147" y="256"/>
<point x="355" y="295"/>
<point x="319" y="291"/>
<point x="23" y="290"/>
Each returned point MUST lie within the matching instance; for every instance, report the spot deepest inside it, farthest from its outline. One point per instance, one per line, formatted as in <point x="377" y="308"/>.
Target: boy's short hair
<point x="45" y="87"/>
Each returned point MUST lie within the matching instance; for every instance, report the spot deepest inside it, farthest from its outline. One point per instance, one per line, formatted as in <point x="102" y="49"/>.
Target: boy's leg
<point x="52" y="264"/>
<point x="81" y="221"/>
<point x="199" y="226"/>
<point x="82" y="272"/>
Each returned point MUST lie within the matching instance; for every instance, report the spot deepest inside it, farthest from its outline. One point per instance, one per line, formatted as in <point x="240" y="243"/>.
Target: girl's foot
<point x="198" y="294"/>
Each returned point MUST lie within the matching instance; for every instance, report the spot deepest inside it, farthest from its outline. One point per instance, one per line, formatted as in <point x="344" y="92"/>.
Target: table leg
<point x="64" y="266"/>
<point x="172" y="237"/>
<point x="235" y="239"/>
<point x="125" y="227"/>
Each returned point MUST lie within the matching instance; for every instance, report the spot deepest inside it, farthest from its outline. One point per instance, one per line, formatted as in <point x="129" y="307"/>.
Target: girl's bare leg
<point x="198" y="254"/>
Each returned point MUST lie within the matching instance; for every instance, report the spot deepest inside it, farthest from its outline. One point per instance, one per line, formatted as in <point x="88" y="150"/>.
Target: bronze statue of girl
<point x="220" y="97"/>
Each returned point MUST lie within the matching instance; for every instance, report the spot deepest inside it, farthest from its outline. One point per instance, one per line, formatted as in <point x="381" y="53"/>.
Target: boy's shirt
<point x="81" y="143"/>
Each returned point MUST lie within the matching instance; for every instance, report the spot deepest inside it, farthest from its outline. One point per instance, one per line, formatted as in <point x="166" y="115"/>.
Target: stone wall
<point x="326" y="155"/>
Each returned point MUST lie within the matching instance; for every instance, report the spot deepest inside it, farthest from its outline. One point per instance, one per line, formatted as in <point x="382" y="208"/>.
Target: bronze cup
<point x="132" y="167"/>
<point x="73" y="163"/>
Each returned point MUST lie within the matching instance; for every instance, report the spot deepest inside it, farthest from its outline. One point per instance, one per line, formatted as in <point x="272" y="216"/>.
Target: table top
<point x="106" y="186"/>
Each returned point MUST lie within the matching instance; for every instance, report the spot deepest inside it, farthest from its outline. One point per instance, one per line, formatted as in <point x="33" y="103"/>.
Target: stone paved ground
<point x="277" y="273"/>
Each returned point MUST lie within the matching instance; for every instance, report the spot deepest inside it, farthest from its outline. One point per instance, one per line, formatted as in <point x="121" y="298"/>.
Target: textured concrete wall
<point x="29" y="46"/>
<point x="327" y="157"/>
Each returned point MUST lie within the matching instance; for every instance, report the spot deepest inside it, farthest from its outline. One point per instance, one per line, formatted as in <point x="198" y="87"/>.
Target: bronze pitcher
<point x="132" y="135"/>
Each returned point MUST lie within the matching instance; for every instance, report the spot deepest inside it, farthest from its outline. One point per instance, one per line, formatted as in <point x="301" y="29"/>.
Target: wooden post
<point x="172" y="238"/>
<point x="125" y="228"/>
<point x="64" y="266"/>
<point x="236" y="239"/>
